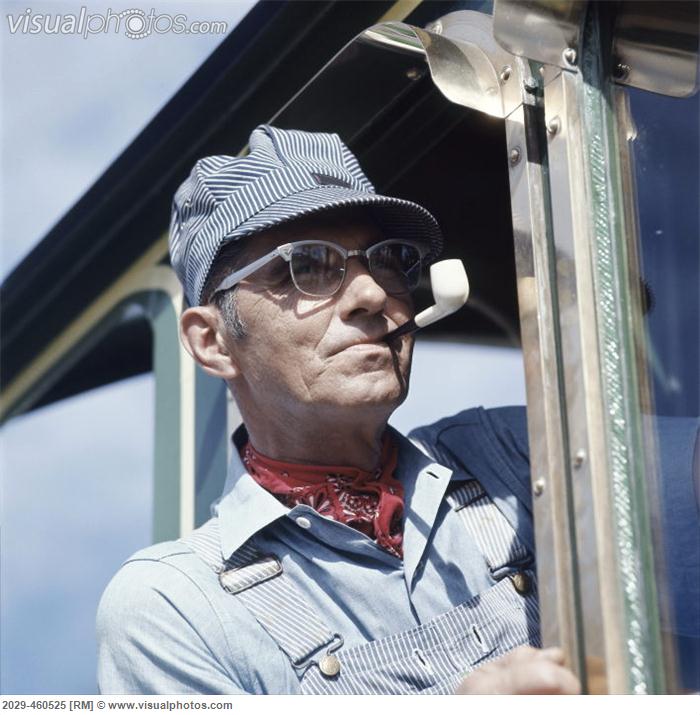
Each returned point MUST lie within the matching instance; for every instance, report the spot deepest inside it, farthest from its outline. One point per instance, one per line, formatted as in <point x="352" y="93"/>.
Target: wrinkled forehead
<point x="351" y="228"/>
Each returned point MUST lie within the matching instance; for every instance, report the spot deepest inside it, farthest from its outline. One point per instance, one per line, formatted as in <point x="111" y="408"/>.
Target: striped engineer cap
<point x="287" y="174"/>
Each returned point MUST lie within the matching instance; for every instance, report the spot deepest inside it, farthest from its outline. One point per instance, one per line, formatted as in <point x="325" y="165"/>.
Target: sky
<point x="77" y="475"/>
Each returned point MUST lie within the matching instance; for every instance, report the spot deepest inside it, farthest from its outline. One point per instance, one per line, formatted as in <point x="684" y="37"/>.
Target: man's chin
<point x="367" y="392"/>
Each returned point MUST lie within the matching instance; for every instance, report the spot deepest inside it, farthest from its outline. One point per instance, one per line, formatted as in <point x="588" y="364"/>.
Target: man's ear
<point x="202" y="334"/>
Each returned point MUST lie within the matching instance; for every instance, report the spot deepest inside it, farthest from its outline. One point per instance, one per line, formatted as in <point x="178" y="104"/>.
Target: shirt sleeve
<point x="158" y="633"/>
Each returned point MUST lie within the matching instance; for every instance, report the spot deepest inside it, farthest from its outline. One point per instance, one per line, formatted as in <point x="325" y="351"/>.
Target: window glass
<point x="665" y="152"/>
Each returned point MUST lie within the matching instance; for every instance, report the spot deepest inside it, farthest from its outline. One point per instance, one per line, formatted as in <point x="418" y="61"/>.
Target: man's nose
<point x="360" y="291"/>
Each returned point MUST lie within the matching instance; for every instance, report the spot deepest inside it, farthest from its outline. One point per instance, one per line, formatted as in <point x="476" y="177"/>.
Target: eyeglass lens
<point x="318" y="269"/>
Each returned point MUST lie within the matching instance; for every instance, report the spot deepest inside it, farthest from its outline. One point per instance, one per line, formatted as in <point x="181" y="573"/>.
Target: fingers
<point x="556" y="655"/>
<point x="569" y="684"/>
<point x="567" y="681"/>
<point x="523" y="671"/>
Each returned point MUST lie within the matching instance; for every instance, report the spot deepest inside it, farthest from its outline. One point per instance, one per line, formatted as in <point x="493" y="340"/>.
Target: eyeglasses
<point x="318" y="267"/>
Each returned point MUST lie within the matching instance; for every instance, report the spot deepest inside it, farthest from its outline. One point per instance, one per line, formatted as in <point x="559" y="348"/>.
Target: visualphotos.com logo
<point x="133" y="23"/>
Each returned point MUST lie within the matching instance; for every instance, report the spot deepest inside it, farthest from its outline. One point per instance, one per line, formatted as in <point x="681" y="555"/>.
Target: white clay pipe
<point x="450" y="286"/>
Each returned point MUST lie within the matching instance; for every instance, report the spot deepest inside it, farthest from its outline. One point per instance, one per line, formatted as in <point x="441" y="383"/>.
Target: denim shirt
<point x="165" y="625"/>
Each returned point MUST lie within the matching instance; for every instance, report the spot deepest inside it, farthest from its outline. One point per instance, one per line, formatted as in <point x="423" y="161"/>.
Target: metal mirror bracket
<point x="472" y="34"/>
<point x="655" y="43"/>
<point x="544" y="31"/>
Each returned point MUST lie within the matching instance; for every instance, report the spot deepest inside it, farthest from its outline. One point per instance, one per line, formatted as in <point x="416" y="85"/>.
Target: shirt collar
<point x="425" y="483"/>
<point x="245" y="507"/>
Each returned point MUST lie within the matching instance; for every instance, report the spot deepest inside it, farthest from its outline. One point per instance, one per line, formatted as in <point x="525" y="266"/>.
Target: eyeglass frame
<point x="285" y="253"/>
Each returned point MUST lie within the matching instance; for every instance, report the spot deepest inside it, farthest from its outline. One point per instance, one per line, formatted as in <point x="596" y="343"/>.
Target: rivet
<point x="553" y="126"/>
<point x="514" y="156"/>
<point x="531" y="85"/>
<point x="329" y="665"/>
<point x="506" y="73"/>
<point x="570" y="56"/>
<point x="522" y="582"/>
<point x="413" y="73"/>
<point x="579" y="458"/>
<point x="538" y="486"/>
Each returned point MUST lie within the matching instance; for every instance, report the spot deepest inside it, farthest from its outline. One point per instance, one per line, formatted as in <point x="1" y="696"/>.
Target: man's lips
<point x="363" y="342"/>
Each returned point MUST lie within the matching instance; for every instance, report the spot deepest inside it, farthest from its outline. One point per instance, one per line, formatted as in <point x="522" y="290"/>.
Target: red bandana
<point x="371" y="502"/>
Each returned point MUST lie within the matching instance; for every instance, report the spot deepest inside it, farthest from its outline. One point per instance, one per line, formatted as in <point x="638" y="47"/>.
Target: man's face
<point x="311" y="357"/>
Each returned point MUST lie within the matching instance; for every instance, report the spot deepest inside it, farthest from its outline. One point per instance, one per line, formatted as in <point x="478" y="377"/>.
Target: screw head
<point x="413" y="73"/>
<point x="621" y="71"/>
<point x="505" y="73"/>
<point x="538" y="486"/>
<point x="579" y="458"/>
<point x="531" y="85"/>
<point x="514" y="156"/>
<point x="570" y="56"/>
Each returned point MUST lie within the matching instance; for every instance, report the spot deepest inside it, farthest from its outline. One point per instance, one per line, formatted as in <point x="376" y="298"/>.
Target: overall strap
<point x="259" y="581"/>
<point x="493" y="534"/>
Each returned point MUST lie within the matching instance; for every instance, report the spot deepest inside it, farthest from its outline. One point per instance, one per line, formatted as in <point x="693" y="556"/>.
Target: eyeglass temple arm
<point x="241" y="274"/>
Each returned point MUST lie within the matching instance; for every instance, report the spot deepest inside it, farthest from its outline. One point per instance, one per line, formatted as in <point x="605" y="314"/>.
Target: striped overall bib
<point x="431" y="658"/>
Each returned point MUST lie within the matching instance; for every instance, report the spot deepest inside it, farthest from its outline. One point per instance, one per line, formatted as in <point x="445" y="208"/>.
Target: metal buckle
<point x="328" y="664"/>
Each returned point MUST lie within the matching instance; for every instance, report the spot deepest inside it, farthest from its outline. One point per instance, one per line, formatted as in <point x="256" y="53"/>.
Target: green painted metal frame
<point x="190" y="454"/>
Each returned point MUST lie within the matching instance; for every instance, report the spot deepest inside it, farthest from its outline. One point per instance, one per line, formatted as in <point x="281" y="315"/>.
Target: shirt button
<point x="303" y="522"/>
<point x="522" y="582"/>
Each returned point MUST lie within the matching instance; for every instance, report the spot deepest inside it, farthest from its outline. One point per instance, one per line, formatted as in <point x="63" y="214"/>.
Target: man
<point x="342" y="558"/>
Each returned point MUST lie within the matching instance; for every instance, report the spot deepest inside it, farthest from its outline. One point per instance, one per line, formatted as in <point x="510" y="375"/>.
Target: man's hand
<point x="523" y="671"/>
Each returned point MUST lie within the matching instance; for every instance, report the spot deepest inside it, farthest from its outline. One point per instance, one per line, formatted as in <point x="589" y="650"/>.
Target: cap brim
<point x="396" y="216"/>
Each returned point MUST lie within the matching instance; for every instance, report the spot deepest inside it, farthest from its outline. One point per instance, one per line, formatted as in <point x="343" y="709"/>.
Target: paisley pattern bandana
<point x="371" y="502"/>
